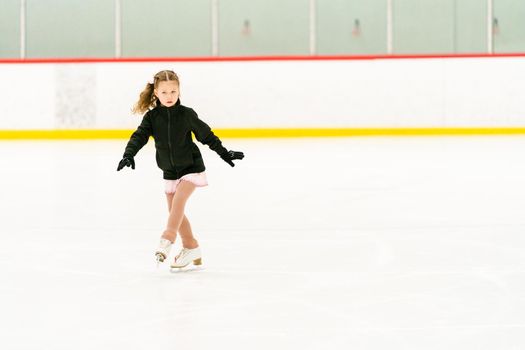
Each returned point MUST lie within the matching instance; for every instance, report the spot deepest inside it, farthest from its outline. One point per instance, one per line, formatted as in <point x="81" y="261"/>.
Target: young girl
<point x="171" y="125"/>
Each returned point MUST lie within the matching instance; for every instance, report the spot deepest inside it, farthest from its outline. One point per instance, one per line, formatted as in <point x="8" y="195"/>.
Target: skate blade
<point x="196" y="262"/>
<point x="186" y="269"/>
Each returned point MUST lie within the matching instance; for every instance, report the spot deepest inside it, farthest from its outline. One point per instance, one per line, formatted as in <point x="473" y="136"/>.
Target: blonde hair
<point x="147" y="97"/>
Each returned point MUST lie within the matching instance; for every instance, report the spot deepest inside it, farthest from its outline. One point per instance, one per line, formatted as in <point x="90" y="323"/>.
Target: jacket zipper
<point x="169" y="139"/>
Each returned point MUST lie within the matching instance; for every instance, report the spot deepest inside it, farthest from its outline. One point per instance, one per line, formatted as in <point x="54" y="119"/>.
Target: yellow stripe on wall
<point x="264" y="133"/>
<point x="348" y="132"/>
<point x="63" y="134"/>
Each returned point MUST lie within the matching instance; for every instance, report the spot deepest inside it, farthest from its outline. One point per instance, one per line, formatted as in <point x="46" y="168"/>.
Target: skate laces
<point x="182" y="253"/>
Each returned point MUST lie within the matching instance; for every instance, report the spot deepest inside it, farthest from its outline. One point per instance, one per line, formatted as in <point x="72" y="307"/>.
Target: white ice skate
<point x="187" y="256"/>
<point x="163" y="250"/>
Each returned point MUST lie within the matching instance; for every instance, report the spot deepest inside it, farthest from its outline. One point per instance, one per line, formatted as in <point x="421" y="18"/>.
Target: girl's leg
<point x="176" y="218"/>
<point x="186" y="234"/>
<point x="185" y="227"/>
<point x="166" y="234"/>
<point x="169" y="197"/>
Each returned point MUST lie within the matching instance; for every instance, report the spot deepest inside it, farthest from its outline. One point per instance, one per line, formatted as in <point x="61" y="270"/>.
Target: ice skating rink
<point x="350" y="243"/>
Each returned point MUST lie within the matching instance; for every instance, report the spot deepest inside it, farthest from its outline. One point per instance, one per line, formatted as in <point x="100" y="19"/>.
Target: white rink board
<point x="437" y="92"/>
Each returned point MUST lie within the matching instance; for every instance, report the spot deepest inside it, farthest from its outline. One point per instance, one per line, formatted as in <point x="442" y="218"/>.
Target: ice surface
<point x="356" y="243"/>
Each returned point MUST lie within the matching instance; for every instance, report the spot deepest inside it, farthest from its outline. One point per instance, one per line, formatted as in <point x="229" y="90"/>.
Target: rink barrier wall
<point x="255" y="58"/>
<point x="278" y="96"/>
<point x="262" y="133"/>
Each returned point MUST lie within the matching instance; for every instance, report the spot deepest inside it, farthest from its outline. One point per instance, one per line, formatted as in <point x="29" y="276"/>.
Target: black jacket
<point x="171" y="127"/>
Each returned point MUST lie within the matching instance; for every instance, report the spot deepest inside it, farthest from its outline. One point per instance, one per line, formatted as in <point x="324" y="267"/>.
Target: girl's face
<point x="167" y="92"/>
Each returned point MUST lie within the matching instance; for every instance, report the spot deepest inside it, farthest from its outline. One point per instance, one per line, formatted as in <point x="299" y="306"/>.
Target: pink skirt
<point x="198" y="179"/>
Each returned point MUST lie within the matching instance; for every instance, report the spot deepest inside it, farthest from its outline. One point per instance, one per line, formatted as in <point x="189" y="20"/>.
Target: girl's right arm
<point x="139" y="138"/>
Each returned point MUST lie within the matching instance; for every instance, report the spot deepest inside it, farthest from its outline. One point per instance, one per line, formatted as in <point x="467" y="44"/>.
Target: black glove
<point x="231" y="155"/>
<point x="126" y="161"/>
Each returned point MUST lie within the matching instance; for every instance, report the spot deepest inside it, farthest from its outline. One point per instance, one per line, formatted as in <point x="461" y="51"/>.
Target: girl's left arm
<point x="205" y="136"/>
